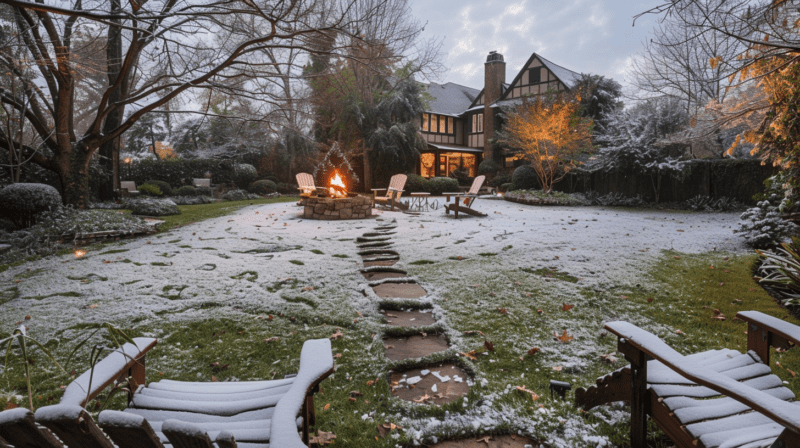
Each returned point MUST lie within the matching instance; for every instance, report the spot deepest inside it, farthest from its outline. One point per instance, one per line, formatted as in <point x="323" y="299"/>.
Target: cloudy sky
<point x="588" y="36"/>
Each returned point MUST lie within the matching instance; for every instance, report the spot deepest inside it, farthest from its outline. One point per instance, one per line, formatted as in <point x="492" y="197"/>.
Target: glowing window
<point x="425" y="122"/>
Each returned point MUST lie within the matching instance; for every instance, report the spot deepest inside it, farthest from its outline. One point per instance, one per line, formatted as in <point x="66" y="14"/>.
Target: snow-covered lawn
<point x="215" y="290"/>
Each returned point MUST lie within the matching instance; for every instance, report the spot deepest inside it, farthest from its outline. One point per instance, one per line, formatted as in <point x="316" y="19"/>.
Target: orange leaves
<point x="567" y="307"/>
<point x="564" y="337"/>
<point x="718" y="315"/>
<point x="523" y="389"/>
<point x="326" y="407"/>
<point x="502" y="310"/>
<point x="323" y="438"/>
<point x="470" y="354"/>
<point x="488" y="345"/>
<point x="336" y="335"/>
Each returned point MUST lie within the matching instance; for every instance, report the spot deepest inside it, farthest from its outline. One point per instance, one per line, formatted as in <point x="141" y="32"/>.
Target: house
<point x="460" y="122"/>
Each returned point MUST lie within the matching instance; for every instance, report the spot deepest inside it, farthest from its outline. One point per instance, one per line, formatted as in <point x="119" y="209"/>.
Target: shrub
<point x="614" y="199"/>
<point x="488" y="167"/>
<point x="781" y="270"/>
<point x="19" y="203"/>
<point x="439" y="185"/>
<point x="204" y="191"/>
<point x="505" y="187"/>
<point x="244" y="175"/>
<point x="524" y="178"/>
<point x="238" y="195"/>
<point x="762" y="226"/>
<point x="287" y="188"/>
<point x="166" y="188"/>
<point x="461" y="176"/>
<point x="500" y="179"/>
<point x="178" y="171"/>
<point x="150" y="190"/>
<point x="152" y="207"/>
<point x="186" y="190"/>
<point x="263" y="187"/>
<point x="416" y="184"/>
<point x="272" y="178"/>
<point x="191" y="200"/>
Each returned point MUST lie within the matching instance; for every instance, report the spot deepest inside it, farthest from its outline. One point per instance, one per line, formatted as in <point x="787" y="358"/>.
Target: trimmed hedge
<point x="20" y="203"/>
<point x="178" y="171"/>
<point x="263" y="187"/>
<point x="438" y="185"/>
<point x="524" y="178"/>
<point x="244" y="175"/>
<point x="150" y="190"/>
<point x="488" y="167"/>
<point x="166" y="189"/>
<point x="416" y="184"/>
<point x="186" y="190"/>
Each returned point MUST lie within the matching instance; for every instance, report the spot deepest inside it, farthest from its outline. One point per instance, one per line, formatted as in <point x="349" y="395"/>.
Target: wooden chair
<point x="393" y="193"/>
<point x="711" y="399"/>
<point x="468" y="199"/>
<point x="128" y="188"/>
<point x="253" y="414"/>
<point x="305" y="183"/>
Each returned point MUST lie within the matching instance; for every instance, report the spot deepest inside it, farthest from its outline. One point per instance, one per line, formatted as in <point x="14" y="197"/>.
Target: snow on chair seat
<point x="711" y="399"/>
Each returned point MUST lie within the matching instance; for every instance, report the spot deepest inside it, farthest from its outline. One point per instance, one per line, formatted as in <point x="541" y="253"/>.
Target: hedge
<point x="177" y="172"/>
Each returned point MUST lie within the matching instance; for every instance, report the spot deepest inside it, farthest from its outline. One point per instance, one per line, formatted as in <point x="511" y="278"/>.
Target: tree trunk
<point x="73" y="170"/>
<point x="109" y="151"/>
<point x="367" y="171"/>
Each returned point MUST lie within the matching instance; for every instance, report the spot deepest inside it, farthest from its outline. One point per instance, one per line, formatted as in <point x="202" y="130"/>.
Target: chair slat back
<point x="73" y="425"/>
<point x="396" y="185"/>
<point x="127" y="185"/>
<point x="129" y="430"/>
<point x="18" y="429"/>
<point x="305" y="180"/>
<point x="476" y="185"/>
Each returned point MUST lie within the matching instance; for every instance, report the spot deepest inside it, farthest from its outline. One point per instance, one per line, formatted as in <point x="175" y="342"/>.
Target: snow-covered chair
<point x="128" y="187"/>
<point x="305" y="183"/>
<point x="253" y="414"/>
<point x="468" y="199"/>
<point x="393" y="193"/>
<point x="711" y="399"/>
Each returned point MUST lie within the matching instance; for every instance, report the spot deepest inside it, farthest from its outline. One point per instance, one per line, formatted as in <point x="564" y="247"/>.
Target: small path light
<point x="559" y="387"/>
<point x="79" y="253"/>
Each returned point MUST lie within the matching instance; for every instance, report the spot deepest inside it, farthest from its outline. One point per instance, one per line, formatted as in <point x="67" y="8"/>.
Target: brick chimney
<point x="495" y="76"/>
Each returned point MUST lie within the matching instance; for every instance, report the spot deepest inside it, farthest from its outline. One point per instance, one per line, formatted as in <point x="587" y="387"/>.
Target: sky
<point x="587" y="36"/>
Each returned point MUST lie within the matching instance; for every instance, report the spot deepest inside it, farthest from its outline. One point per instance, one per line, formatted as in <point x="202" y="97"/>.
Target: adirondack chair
<point x="711" y="399"/>
<point x="305" y="183"/>
<point x="128" y="188"/>
<point x="468" y="199"/>
<point x="393" y="193"/>
<point x="253" y="414"/>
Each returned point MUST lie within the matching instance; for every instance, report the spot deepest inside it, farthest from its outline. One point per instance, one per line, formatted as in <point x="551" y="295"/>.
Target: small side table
<point x="420" y="203"/>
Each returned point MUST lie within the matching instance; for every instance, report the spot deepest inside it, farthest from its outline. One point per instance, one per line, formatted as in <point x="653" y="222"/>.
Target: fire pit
<point x="336" y="203"/>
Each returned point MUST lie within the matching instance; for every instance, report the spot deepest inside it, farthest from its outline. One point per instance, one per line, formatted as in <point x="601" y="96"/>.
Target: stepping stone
<point x="376" y="234"/>
<point x="413" y="347"/>
<point x="399" y="291"/>
<point x="378" y="252"/>
<point x="384" y="244"/>
<point x="444" y="383"/>
<point x="380" y="275"/>
<point x="368" y="264"/>
<point x="415" y="318"/>
<point x="506" y="441"/>
<point x="375" y="239"/>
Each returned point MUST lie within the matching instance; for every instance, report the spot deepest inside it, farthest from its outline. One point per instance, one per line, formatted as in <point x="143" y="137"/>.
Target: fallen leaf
<point x="327" y="406"/>
<point x="502" y="310"/>
<point x="10" y="405"/>
<point x="336" y="335"/>
<point x="557" y="368"/>
<point x="523" y="389"/>
<point x="488" y="345"/>
<point x="213" y="378"/>
<point x="609" y="359"/>
<point x="534" y="351"/>
<point x="337" y="356"/>
<point x="469" y="354"/>
<point x="485" y="440"/>
<point x="680" y="332"/>
<point x="323" y="438"/>
<point x="564" y="337"/>
<point x="540" y="311"/>
<point x="272" y="339"/>
<point x="422" y="398"/>
<point x="791" y="373"/>
<point x="471" y="332"/>
<point x="649" y="300"/>
<point x="566" y="307"/>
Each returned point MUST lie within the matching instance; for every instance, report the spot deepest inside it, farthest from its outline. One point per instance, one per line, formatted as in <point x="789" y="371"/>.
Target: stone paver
<point x="399" y="290"/>
<point x="380" y="275"/>
<point x="506" y="441"/>
<point x="413" y="347"/>
<point x="413" y="318"/>
<point x="430" y="388"/>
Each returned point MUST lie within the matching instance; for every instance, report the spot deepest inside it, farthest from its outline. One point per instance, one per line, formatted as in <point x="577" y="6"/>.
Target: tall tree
<point x="550" y="131"/>
<point x="169" y="48"/>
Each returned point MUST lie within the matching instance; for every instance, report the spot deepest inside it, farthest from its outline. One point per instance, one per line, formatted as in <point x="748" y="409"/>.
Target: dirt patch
<point x="399" y="290"/>
<point x="507" y="441"/>
<point x="380" y="275"/>
<point x="413" y="347"/>
<point x="441" y="384"/>
<point x="409" y="318"/>
<point x="368" y="264"/>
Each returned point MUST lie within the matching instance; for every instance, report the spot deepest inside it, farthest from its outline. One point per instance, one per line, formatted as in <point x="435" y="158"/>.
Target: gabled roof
<point x="566" y="76"/>
<point x="450" y="98"/>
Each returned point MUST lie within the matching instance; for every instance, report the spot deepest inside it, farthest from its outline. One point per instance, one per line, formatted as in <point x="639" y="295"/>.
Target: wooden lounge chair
<point x="128" y="188"/>
<point x="393" y="193"/>
<point x="305" y="183"/>
<point x="253" y="414"/>
<point x="711" y="399"/>
<point x="468" y="199"/>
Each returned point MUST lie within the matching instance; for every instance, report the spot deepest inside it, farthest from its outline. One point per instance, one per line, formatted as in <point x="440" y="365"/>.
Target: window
<point x="442" y="124"/>
<point x="425" y="122"/>
<point x="534" y="75"/>
<point x="477" y="123"/>
<point x="450" y="128"/>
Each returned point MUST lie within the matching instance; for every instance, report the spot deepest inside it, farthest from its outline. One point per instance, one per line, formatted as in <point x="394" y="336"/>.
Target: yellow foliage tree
<point x="550" y="131"/>
<point x="164" y="151"/>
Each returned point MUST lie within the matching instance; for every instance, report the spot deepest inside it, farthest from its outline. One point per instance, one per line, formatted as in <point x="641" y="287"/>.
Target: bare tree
<point x="156" y="51"/>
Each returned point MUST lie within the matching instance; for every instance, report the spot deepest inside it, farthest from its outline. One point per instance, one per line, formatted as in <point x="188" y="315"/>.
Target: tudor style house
<point x="461" y="121"/>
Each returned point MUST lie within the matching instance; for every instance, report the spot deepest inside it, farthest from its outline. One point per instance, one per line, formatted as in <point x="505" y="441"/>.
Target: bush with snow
<point x="191" y="200"/>
<point x="152" y="207"/>
<point x="524" y="178"/>
<point x="244" y="175"/>
<point x="263" y="186"/>
<point x="20" y="203"/>
<point x="762" y="226"/>
<point x="239" y="195"/>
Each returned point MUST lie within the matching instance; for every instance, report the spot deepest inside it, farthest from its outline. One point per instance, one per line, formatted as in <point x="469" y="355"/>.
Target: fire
<point x="341" y="189"/>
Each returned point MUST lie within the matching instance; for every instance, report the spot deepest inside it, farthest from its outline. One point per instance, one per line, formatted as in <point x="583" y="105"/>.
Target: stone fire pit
<point x="356" y="207"/>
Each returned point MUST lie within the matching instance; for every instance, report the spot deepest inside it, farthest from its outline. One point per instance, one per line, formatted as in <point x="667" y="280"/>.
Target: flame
<point x="336" y="180"/>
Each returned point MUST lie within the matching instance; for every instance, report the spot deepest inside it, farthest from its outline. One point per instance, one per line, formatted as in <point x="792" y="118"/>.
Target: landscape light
<point x="79" y="253"/>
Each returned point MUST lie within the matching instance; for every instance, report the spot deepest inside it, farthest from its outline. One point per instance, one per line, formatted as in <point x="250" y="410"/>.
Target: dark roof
<point x="566" y="76"/>
<point x="454" y="148"/>
<point x="450" y="98"/>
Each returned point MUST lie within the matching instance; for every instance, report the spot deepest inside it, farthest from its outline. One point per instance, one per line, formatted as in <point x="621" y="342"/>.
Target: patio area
<point x="252" y="286"/>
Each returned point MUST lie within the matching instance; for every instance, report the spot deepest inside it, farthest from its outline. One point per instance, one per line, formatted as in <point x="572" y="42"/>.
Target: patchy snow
<point x="241" y="261"/>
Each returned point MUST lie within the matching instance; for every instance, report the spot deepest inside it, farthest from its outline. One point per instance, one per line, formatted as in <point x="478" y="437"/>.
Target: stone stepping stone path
<point x="507" y="441"/>
<point x="406" y="290"/>
<point x="414" y="318"/>
<point x="414" y="346"/>
<point x="439" y="384"/>
<point x="382" y="274"/>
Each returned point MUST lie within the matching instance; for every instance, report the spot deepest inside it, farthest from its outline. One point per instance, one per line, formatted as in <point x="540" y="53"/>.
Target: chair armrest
<point x="636" y="339"/>
<point x="120" y="363"/>
<point x="764" y="331"/>
<point x="316" y="364"/>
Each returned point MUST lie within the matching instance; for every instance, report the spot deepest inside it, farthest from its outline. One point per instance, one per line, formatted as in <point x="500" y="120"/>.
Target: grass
<point x="201" y="212"/>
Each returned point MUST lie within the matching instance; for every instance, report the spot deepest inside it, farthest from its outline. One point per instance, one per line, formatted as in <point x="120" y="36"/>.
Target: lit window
<point x="425" y="122"/>
<point x="450" y="128"/>
<point x="442" y="124"/>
